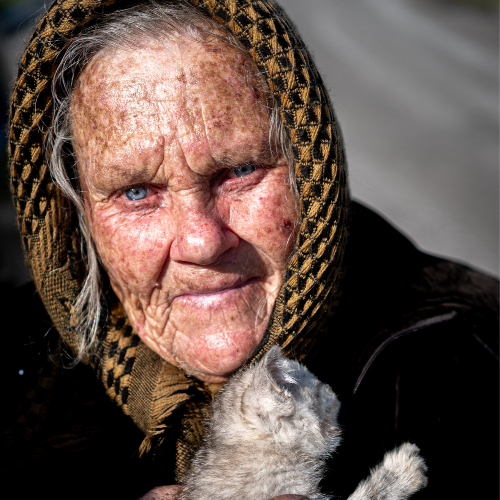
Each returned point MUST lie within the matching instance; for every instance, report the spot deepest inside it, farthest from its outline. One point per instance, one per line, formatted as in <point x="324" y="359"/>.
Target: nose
<point x="201" y="236"/>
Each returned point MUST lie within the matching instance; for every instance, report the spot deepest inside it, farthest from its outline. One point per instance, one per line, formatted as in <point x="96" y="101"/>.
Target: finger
<point x="162" y="493"/>
<point x="290" y="497"/>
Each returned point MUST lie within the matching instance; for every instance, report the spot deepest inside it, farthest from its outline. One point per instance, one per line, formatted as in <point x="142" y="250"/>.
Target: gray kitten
<point x="272" y="428"/>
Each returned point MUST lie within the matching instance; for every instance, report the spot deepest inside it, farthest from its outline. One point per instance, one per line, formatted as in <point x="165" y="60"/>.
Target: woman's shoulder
<point x="381" y="252"/>
<point x="394" y="294"/>
<point x="390" y="286"/>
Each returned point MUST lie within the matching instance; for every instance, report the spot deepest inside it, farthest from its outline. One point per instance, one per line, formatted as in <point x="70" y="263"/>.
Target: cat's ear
<point x="279" y="372"/>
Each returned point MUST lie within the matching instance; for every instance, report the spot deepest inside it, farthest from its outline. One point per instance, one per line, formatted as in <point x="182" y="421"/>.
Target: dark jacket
<point x="412" y="353"/>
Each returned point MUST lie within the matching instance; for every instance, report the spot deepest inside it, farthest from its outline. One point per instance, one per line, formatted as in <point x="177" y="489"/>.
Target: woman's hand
<point x="290" y="497"/>
<point x="169" y="493"/>
<point x="162" y="493"/>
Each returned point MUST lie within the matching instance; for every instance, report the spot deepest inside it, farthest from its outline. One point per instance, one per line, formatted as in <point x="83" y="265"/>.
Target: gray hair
<point x="124" y="29"/>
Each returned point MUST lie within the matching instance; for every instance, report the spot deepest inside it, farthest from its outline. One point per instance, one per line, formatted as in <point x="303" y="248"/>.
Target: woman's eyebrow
<point x="262" y="157"/>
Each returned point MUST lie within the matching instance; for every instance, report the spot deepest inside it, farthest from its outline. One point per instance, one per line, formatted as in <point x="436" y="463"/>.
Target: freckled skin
<point x="198" y="262"/>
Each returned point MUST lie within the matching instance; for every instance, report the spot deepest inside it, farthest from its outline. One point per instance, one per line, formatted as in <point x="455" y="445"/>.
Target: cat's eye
<point x="136" y="193"/>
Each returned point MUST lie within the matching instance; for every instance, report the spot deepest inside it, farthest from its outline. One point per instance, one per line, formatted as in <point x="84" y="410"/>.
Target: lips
<point x="213" y="291"/>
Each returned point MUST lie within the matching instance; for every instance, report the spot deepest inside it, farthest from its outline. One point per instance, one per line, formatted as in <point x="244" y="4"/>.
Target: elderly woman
<point x="180" y="184"/>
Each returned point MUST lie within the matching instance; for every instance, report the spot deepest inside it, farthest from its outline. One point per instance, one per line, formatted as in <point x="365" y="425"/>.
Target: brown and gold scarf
<point x="138" y="380"/>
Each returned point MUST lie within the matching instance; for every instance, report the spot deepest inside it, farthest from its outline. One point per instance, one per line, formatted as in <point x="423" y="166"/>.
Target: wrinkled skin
<point x="199" y="252"/>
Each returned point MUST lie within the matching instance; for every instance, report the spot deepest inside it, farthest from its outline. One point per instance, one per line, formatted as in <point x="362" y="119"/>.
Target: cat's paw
<point x="401" y="474"/>
<point x="409" y="467"/>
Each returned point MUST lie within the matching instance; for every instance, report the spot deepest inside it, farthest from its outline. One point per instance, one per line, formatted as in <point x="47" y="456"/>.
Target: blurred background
<point x="415" y="85"/>
<point x="17" y="21"/>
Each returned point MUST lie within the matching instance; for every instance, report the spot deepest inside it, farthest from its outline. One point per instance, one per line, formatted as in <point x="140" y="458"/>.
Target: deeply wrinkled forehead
<point x="114" y="79"/>
<point x="206" y="88"/>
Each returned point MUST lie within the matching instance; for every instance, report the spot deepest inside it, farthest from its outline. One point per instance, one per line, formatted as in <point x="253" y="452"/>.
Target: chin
<point x="214" y="356"/>
<point x="210" y="336"/>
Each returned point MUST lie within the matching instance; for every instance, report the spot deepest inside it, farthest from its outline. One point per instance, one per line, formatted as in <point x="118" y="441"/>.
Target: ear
<point x="279" y="371"/>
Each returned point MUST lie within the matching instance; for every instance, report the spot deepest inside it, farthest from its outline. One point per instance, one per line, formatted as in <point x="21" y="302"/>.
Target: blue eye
<point x="136" y="193"/>
<point x="244" y="170"/>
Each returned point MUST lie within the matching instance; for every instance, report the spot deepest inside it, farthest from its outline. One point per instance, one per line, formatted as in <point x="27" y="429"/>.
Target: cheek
<point x="268" y="219"/>
<point x="132" y="247"/>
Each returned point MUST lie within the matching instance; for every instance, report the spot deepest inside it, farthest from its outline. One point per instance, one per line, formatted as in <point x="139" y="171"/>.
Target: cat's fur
<point x="272" y="428"/>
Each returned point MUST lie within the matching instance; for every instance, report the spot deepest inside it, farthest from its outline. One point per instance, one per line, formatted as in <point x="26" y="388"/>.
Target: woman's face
<point x="191" y="214"/>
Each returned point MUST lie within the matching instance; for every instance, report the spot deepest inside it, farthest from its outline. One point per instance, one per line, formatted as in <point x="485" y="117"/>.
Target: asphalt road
<point x="415" y="86"/>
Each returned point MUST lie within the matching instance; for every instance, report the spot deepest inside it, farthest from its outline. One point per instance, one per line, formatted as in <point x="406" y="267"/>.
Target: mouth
<point x="216" y="292"/>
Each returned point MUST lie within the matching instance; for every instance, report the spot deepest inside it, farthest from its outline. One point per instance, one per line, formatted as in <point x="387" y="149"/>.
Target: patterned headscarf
<point x="146" y="388"/>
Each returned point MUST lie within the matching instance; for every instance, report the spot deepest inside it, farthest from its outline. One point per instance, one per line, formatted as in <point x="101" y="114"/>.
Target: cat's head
<point x="281" y="400"/>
